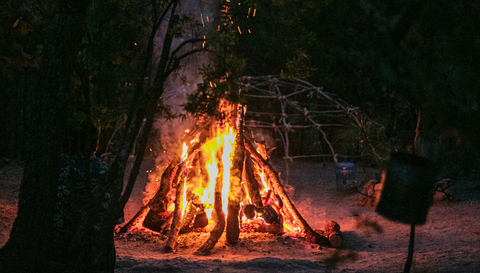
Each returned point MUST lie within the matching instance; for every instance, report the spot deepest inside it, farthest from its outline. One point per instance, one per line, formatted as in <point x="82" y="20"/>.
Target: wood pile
<point x="256" y="202"/>
<point x="370" y="193"/>
<point x="445" y="190"/>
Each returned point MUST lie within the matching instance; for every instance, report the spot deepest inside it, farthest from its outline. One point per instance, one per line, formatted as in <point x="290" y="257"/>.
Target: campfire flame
<point x="218" y="152"/>
<point x="219" y="172"/>
<point x="184" y="153"/>
<point x="221" y="147"/>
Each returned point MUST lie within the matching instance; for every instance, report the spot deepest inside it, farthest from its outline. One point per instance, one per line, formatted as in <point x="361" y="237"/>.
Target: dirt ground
<point x="448" y="242"/>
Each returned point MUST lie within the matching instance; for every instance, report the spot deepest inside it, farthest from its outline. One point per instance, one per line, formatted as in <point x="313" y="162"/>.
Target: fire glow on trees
<point x="220" y="182"/>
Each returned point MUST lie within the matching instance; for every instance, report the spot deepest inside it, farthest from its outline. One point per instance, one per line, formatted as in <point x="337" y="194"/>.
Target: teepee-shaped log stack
<point x="221" y="182"/>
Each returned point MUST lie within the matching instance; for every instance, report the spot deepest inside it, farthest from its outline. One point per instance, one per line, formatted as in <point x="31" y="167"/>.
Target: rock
<point x="367" y="198"/>
<point x="445" y="190"/>
<point x="439" y="196"/>
<point x="451" y="193"/>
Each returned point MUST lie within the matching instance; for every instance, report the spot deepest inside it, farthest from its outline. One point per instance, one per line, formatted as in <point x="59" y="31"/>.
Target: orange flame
<point x="185" y="203"/>
<point x="184" y="152"/>
<point x="218" y="148"/>
<point x="264" y="184"/>
<point x="218" y="153"/>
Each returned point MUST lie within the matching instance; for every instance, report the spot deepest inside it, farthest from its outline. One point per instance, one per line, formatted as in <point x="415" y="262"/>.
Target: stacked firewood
<point x="275" y="208"/>
<point x="445" y="190"/>
<point x="369" y="194"/>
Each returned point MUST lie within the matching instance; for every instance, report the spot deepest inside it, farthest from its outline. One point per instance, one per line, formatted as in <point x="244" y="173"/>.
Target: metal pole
<point x="408" y="263"/>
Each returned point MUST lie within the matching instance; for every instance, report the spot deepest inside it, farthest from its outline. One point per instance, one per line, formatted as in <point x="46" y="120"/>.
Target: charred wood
<point x="171" y="245"/>
<point x="262" y="149"/>
<point x="203" y="170"/>
<point x="251" y="183"/>
<point x="135" y="220"/>
<point x="156" y="221"/>
<point x="259" y="225"/>
<point x="235" y="192"/>
<point x="217" y="231"/>
<point x="249" y="211"/>
<point x="333" y="234"/>
<point x="188" y="216"/>
<point x="201" y="219"/>
<point x="310" y="234"/>
<point x="269" y="214"/>
<point x="159" y="203"/>
<point x="233" y="224"/>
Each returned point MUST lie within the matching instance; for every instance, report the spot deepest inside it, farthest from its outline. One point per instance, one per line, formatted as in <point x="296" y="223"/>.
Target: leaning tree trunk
<point x="32" y="246"/>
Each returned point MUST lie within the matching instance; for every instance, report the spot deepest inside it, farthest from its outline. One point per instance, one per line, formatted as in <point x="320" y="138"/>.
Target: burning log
<point x="251" y="183"/>
<point x="187" y="219"/>
<point x="217" y="231"/>
<point x="249" y="211"/>
<point x="310" y="234"/>
<point x="159" y="203"/>
<point x="273" y="220"/>
<point x="136" y="220"/>
<point x="155" y="214"/>
<point x="333" y="234"/>
<point x="201" y="219"/>
<point x="203" y="170"/>
<point x="269" y="221"/>
<point x="241" y="182"/>
<point x="235" y="192"/>
<point x="171" y="244"/>
<point x="218" y="214"/>
<point x="262" y="149"/>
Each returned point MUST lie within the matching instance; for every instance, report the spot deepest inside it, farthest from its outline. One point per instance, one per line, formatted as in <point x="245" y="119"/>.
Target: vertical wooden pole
<point x="217" y="231"/>
<point x="171" y="245"/>
<point x="235" y="191"/>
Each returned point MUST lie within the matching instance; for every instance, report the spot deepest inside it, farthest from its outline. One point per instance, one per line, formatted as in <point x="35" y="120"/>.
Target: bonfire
<point x="221" y="181"/>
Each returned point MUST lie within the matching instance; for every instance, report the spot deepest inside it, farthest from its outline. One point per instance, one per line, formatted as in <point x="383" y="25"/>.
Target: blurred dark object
<point x="408" y="187"/>
<point x="4" y="161"/>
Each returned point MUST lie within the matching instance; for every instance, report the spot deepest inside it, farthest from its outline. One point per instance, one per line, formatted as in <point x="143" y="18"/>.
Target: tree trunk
<point x="32" y="235"/>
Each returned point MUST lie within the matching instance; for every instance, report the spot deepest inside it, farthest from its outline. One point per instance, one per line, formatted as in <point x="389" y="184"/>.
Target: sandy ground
<point x="448" y="242"/>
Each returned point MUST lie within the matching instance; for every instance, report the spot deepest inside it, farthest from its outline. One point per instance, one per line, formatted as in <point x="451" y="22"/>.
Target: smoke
<point x="177" y="87"/>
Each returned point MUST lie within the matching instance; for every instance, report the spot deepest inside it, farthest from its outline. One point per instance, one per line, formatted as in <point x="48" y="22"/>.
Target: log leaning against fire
<point x="155" y="212"/>
<point x="247" y="164"/>
<point x="139" y="216"/>
<point x="310" y="234"/>
<point x="217" y="231"/>
<point x="190" y="212"/>
<point x="171" y="245"/>
<point x="235" y="190"/>
<point x="158" y="203"/>
<point x="179" y="222"/>
<point x="251" y="183"/>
